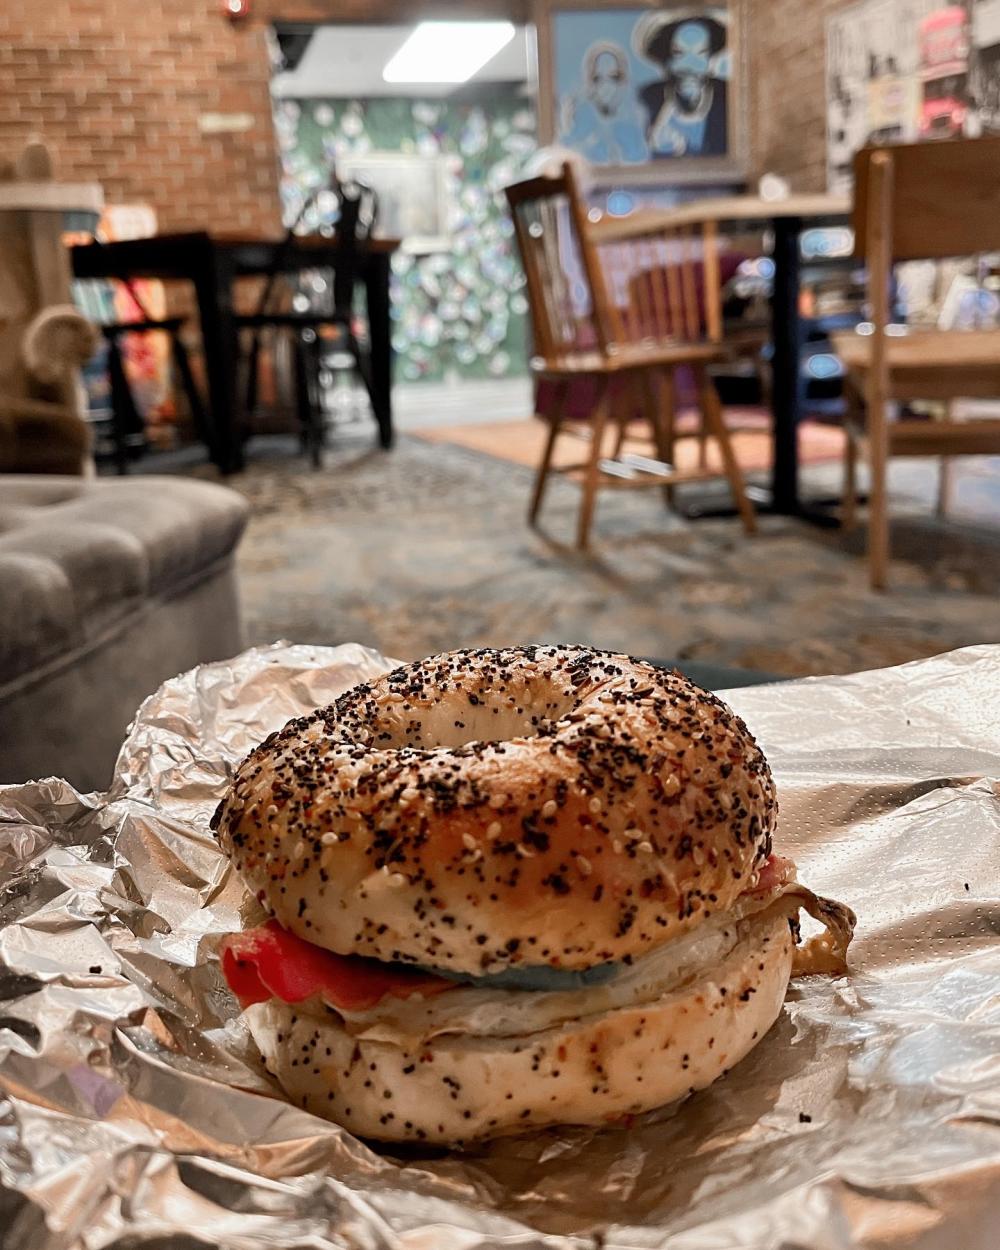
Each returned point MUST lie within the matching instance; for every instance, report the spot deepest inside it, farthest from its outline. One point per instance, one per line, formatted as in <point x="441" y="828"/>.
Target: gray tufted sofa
<point x="107" y="588"/>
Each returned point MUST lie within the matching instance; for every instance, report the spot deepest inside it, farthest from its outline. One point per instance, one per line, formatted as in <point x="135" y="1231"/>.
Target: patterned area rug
<point x="426" y="548"/>
<point x="523" y="441"/>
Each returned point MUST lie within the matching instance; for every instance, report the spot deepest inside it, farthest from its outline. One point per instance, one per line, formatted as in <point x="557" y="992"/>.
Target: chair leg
<point x="544" y="466"/>
<point x="650" y="395"/>
<point x="702" y="432"/>
<point x="633" y="405"/>
<point x="878" y="500"/>
<point x="598" y="424"/>
<point x="946" y="482"/>
<point x="314" y="359"/>
<point x="715" y="425"/>
<point x="125" y="418"/>
<point x="620" y="437"/>
<point x="303" y="400"/>
<point x="668" y="408"/>
<point x="199" y="416"/>
<point x="362" y="364"/>
<point x="853" y="421"/>
<point x="703" y="424"/>
<point x="253" y="367"/>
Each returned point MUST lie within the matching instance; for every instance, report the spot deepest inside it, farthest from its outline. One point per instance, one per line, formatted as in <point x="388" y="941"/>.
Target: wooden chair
<point x="317" y="330"/>
<point x="921" y="201"/>
<point x="626" y="315"/>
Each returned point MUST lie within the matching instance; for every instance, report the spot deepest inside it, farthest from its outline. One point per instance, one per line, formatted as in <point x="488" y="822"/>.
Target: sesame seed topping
<point x="668" y="810"/>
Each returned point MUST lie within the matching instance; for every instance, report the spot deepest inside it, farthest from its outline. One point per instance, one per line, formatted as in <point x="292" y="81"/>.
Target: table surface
<point x="239" y="238"/>
<point x="735" y="208"/>
<point x="214" y="261"/>
<point x="223" y="239"/>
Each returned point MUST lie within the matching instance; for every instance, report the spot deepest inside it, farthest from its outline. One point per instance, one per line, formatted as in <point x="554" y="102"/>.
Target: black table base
<point x="213" y="265"/>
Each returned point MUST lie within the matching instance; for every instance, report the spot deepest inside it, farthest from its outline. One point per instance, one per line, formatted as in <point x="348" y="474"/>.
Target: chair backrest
<point x="358" y="214"/>
<point x="919" y="201"/>
<point x="671" y="276"/>
<point x="355" y="224"/>
<point x="590" y="288"/>
<point x="943" y="198"/>
<point x="567" y="296"/>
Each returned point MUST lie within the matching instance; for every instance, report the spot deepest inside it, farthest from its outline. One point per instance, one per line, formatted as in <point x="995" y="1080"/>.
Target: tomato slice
<point x="270" y="962"/>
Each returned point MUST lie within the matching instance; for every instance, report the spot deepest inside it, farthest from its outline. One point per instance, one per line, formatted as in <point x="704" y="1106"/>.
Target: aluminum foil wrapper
<point x="134" y="1112"/>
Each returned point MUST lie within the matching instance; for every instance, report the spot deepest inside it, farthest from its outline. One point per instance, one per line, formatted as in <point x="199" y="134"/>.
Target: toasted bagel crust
<point x="487" y="809"/>
<point x="457" y="1088"/>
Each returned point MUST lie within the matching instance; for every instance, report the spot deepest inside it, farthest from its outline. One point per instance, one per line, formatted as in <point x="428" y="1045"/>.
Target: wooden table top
<point x="731" y="208"/>
<point x="180" y="255"/>
<point x="238" y="238"/>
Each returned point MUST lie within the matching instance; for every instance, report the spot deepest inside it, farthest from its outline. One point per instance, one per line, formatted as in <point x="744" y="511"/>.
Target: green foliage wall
<point x="460" y="313"/>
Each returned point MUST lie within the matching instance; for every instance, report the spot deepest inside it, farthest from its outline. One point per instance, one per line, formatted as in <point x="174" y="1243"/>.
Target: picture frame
<point x="601" y="96"/>
<point x="414" y="199"/>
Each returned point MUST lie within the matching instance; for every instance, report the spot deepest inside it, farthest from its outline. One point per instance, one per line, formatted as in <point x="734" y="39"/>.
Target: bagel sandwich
<point x="511" y="888"/>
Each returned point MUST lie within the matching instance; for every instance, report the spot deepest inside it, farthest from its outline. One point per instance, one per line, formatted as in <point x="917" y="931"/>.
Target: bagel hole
<point x="449" y="724"/>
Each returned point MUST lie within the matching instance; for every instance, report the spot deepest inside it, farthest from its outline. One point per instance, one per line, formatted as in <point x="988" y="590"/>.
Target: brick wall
<point x="116" y="88"/>
<point x="787" y="98"/>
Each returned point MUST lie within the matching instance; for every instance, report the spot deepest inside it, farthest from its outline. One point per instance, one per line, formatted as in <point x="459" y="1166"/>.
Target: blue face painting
<point x="608" y="80"/>
<point x="690" y="60"/>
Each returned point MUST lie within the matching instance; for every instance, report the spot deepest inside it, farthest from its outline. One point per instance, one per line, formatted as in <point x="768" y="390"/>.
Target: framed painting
<point x="413" y="196"/>
<point x="646" y="93"/>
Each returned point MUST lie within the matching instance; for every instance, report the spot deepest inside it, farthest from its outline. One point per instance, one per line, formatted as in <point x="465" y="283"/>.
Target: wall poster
<point x="899" y="71"/>
<point x="643" y="92"/>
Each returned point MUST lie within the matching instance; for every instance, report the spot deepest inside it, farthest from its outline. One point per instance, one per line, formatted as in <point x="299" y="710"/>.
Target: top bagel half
<point x="493" y="809"/>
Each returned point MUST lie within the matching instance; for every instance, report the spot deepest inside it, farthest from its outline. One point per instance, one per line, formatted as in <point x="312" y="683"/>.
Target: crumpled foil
<point x="134" y="1112"/>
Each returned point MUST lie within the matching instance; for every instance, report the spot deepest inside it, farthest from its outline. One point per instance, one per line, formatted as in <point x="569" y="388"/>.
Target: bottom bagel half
<point x="437" y="1071"/>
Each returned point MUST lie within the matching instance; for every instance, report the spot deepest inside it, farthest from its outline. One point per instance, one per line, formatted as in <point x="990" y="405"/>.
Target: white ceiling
<point x="347" y="61"/>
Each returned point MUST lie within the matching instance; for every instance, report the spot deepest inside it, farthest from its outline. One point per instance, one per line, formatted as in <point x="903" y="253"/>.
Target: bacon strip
<point x="825" y="953"/>
<point x="269" y="962"/>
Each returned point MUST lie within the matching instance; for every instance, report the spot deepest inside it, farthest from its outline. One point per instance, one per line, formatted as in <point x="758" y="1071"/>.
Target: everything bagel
<point x="512" y="888"/>
<point x="491" y="809"/>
